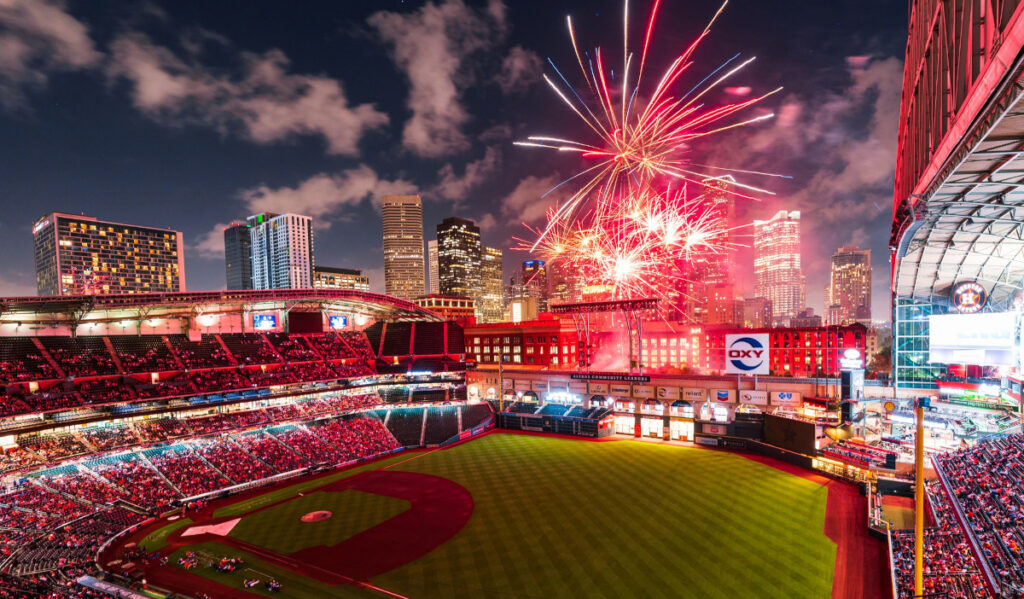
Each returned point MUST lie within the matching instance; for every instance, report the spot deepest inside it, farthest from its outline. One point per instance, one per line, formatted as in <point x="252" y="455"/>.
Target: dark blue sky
<point x="192" y="114"/>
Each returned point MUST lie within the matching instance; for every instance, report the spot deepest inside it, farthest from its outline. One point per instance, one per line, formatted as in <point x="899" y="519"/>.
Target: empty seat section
<point x="442" y="424"/>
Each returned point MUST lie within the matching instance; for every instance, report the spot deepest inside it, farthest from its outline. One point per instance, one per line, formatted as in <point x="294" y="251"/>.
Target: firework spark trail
<point x="629" y="225"/>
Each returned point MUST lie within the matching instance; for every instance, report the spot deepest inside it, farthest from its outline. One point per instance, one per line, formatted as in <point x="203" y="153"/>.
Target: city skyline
<point x="93" y="117"/>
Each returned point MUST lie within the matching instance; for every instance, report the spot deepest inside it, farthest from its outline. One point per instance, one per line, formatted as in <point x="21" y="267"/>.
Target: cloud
<point x="431" y="46"/>
<point x="264" y="102"/>
<point x="525" y="204"/>
<point x="323" y="195"/>
<point x="456" y="187"/>
<point x="520" y="69"/>
<point x="211" y="243"/>
<point x="38" y="37"/>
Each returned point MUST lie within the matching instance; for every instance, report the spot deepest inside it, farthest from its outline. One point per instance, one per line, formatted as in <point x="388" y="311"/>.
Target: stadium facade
<point x="956" y="238"/>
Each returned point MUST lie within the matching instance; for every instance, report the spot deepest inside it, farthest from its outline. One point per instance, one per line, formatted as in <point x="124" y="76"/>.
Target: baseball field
<point x="512" y="515"/>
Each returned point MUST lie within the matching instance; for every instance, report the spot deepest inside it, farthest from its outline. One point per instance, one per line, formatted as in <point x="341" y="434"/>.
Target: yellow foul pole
<point x="919" y="498"/>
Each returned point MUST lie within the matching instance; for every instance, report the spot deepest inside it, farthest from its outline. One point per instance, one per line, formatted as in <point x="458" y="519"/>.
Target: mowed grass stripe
<point x="570" y="518"/>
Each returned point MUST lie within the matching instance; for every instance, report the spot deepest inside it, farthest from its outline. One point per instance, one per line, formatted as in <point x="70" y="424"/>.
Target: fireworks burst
<point x="629" y="226"/>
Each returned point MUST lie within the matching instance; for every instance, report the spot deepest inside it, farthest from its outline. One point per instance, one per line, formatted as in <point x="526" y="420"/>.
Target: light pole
<point x="919" y="405"/>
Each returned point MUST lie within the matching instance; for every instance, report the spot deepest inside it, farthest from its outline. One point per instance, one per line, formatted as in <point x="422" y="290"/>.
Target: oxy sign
<point x="746" y="354"/>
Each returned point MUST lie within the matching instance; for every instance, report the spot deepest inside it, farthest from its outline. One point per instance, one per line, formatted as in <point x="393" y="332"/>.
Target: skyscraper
<point x="282" y="251"/>
<point x="435" y="283"/>
<point x="403" y="246"/>
<point x="535" y="283"/>
<point x="778" y="276"/>
<point x="458" y="258"/>
<point x="717" y="268"/>
<point x="705" y="295"/>
<point x="849" y="291"/>
<point x="80" y="255"/>
<point x="238" y="255"/>
<point x="492" y="299"/>
<point x="326" y="277"/>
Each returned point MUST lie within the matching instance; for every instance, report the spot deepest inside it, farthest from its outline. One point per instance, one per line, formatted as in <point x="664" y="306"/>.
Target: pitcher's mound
<point x="316" y="516"/>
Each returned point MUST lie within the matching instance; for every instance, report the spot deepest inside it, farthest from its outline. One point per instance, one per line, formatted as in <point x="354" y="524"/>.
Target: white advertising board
<point x="985" y="339"/>
<point x="747" y="354"/>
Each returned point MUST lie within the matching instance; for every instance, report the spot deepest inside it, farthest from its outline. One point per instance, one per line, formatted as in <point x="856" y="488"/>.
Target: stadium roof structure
<point x="156" y="305"/>
<point x="959" y="213"/>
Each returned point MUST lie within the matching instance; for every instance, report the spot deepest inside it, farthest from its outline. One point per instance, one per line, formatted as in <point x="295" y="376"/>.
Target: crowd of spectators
<point x="95" y="377"/>
<point x="83" y="357"/>
<point x="987" y="481"/>
<point x="105" y="390"/>
<point x="233" y="461"/>
<point x="110" y="437"/>
<point x="142" y="485"/>
<point x="313" y="448"/>
<point x="950" y="569"/>
<point x="271" y="451"/>
<point x="188" y="472"/>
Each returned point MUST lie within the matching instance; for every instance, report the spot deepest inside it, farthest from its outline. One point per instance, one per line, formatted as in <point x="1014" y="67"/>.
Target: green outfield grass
<point x="565" y="518"/>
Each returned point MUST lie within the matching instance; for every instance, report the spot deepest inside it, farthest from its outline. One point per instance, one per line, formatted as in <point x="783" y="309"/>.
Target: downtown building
<point x="534" y="283"/>
<point x="848" y="294"/>
<point x="491" y="306"/>
<point x="326" y="277"/>
<point x="778" y="276"/>
<point x="432" y="268"/>
<point x="81" y="255"/>
<point x="282" y="251"/>
<point x="238" y="255"/>
<point x="458" y="258"/>
<point x="403" y="246"/>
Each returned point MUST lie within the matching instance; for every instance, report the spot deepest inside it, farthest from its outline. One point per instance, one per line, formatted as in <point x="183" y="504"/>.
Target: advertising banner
<point x="786" y="398"/>
<point x="577" y="387"/>
<point x="756" y="398"/>
<point x="747" y="354"/>
<point x="599" y="388"/>
<point x="557" y="385"/>
<point x="668" y="392"/>
<point x="723" y="395"/>
<point x="695" y="395"/>
<point x="522" y="385"/>
<point x="620" y="390"/>
<point x="506" y="383"/>
<point x="540" y="386"/>
<point x="643" y="391"/>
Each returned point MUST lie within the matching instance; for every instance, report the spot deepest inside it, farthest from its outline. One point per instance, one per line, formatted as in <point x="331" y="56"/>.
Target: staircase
<point x="113" y="354"/>
<point x="174" y="351"/>
<point x="146" y="461"/>
<point x="49" y="358"/>
<point x="224" y="346"/>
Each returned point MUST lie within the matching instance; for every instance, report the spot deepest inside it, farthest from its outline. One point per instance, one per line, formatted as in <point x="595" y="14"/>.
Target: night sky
<point x="192" y="114"/>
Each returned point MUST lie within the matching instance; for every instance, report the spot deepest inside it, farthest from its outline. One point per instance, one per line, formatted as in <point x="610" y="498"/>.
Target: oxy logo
<point x="746" y="354"/>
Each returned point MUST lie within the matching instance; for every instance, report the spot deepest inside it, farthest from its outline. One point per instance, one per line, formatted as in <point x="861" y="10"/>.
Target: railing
<point x="979" y="556"/>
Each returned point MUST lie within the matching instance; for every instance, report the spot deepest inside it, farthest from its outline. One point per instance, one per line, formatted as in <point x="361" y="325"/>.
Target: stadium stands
<point x="406" y="424"/>
<point x="442" y="424"/>
<point x="987" y="483"/>
<point x="950" y="568"/>
<point x="121" y="369"/>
